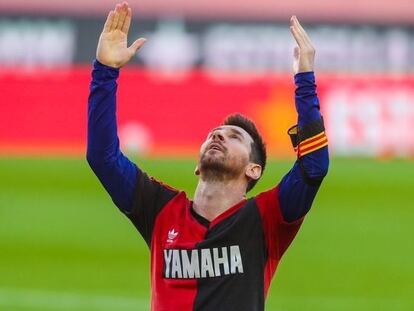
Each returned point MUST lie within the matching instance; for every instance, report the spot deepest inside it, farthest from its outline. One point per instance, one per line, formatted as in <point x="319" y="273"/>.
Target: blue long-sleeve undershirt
<point x="119" y="175"/>
<point x="115" y="171"/>
<point x="295" y="193"/>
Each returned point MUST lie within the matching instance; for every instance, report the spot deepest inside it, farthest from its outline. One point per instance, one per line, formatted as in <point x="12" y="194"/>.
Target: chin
<point x="212" y="163"/>
<point x="215" y="167"/>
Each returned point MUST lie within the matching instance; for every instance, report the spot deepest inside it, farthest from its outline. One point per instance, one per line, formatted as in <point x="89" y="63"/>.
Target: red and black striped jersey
<point x="225" y="264"/>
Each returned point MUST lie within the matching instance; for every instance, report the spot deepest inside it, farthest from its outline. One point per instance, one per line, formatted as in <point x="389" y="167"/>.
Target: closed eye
<point x="235" y="136"/>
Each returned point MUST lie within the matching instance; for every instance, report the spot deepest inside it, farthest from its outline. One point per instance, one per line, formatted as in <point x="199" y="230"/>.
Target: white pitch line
<point x="56" y="300"/>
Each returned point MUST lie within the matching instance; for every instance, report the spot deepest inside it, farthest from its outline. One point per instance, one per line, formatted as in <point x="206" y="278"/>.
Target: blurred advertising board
<point x="396" y="11"/>
<point x="45" y="111"/>
<point x="177" y="44"/>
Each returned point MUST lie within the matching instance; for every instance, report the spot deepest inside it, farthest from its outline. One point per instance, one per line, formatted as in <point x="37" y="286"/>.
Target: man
<point x="220" y="250"/>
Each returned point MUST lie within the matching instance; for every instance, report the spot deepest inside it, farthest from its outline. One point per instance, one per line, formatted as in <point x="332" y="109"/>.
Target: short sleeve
<point x="149" y="199"/>
<point x="278" y="233"/>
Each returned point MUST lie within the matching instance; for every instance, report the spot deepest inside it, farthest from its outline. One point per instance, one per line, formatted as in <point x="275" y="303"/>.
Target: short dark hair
<point x="258" y="154"/>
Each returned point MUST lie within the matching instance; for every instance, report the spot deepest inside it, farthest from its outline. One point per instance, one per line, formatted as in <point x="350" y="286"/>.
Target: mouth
<point x="215" y="146"/>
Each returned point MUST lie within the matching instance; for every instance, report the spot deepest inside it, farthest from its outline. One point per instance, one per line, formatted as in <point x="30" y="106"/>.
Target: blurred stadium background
<point x="64" y="246"/>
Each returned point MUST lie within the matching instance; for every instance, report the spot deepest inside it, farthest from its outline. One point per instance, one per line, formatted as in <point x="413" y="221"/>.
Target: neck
<point x="213" y="197"/>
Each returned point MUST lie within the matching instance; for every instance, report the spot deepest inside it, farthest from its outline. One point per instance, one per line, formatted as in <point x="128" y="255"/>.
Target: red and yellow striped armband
<point x="308" y="139"/>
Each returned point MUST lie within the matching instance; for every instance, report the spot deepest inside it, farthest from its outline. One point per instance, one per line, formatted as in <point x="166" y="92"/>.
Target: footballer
<point x="219" y="250"/>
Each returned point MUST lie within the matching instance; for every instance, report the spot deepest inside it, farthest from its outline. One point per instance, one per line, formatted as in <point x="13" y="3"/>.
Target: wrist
<point x="305" y="75"/>
<point x="104" y="72"/>
<point x="104" y="66"/>
<point x="305" y="79"/>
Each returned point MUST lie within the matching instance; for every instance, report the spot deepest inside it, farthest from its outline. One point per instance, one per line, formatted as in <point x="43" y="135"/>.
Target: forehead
<point x="234" y="129"/>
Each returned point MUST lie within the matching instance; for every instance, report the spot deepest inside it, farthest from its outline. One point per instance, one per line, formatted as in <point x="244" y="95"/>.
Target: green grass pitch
<point x="64" y="245"/>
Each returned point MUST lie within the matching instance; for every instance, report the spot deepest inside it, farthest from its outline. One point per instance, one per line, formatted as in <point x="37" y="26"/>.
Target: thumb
<point x="136" y="45"/>
<point x="296" y="52"/>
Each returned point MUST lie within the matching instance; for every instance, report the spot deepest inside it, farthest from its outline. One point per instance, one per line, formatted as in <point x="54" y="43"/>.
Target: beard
<point x="216" y="166"/>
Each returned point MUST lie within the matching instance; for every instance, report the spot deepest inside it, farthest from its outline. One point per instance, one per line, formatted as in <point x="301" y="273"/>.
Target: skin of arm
<point x="119" y="175"/>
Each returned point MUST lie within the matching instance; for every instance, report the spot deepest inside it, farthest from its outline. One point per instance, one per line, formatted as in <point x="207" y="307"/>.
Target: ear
<point x="253" y="171"/>
<point x="196" y="171"/>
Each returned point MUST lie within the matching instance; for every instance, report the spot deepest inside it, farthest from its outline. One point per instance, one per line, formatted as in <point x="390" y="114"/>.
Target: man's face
<point x="225" y="153"/>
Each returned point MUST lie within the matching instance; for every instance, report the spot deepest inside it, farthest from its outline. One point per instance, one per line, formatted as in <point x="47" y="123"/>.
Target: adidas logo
<point x="172" y="234"/>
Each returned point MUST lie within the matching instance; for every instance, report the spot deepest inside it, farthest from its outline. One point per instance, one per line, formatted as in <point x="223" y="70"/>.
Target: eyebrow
<point x="215" y="129"/>
<point x="235" y="131"/>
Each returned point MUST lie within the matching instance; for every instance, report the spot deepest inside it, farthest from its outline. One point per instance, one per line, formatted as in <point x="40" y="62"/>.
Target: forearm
<point x="310" y="140"/>
<point x="102" y="128"/>
<point x="296" y="194"/>
<point x="299" y="187"/>
<point x="306" y="99"/>
<point x="116" y="173"/>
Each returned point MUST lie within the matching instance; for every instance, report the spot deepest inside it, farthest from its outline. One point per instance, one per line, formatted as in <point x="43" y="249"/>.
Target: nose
<point x="217" y="135"/>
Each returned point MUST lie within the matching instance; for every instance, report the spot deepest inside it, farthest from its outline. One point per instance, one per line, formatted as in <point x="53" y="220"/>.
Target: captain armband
<point x="309" y="138"/>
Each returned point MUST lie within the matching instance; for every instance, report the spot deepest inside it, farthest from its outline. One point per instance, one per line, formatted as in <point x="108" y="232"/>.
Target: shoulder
<point x="268" y="197"/>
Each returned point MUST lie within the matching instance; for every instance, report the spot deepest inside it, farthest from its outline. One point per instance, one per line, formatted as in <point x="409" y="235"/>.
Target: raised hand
<point x="304" y="53"/>
<point x="112" y="47"/>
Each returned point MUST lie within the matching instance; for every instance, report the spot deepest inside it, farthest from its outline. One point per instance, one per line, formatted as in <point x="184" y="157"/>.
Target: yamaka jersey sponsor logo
<point x="202" y="263"/>
<point x="172" y="234"/>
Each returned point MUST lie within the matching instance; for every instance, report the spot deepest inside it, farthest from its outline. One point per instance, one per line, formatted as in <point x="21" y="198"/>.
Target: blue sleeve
<point x="299" y="186"/>
<point x="117" y="174"/>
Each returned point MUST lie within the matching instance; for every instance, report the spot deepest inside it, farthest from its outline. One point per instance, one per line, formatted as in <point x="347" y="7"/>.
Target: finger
<point x="127" y="22"/>
<point x="109" y="21"/>
<point x="305" y="42"/>
<point x="296" y="25"/>
<point x="136" y="45"/>
<point x="296" y="21"/>
<point x="122" y="15"/>
<point x="116" y="17"/>
<point x="296" y="52"/>
<point x="301" y="30"/>
<point x="298" y="37"/>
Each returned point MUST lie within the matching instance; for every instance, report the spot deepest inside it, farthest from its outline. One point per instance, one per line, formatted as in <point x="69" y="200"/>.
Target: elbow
<point x="99" y="161"/>
<point x="92" y="157"/>
<point x="324" y="162"/>
<point x="316" y="164"/>
<point x="97" y="156"/>
<point x="96" y="164"/>
<point x="321" y="168"/>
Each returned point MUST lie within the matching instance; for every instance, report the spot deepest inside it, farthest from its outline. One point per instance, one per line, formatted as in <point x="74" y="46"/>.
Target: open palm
<point x="113" y="47"/>
<point x="304" y="52"/>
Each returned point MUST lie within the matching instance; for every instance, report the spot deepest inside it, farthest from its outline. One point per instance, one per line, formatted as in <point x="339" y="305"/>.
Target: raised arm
<point x="113" y="47"/>
<point x="298" y="188"/>
<point x="117" y="174"/>
<point x="140" y="197"/>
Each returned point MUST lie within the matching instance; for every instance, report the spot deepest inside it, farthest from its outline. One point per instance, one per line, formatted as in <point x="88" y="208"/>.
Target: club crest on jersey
<point x="202" y="263"/>
<point x="172" y="234"/>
